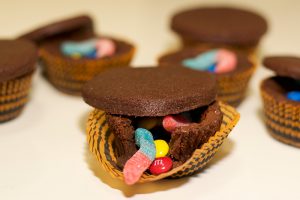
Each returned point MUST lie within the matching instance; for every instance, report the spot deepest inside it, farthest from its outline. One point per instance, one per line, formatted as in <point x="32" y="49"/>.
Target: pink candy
<point x="226" y="61"/>
<point x="135" y="167"/>
<point x="170" y="122"/>
<point x="105" y="47"/>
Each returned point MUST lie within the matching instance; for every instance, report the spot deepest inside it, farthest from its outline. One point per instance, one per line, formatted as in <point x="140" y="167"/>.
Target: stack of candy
<point x="217" y="61"/>
<point x="92" y="48"/>
<point x="152" y="153"/>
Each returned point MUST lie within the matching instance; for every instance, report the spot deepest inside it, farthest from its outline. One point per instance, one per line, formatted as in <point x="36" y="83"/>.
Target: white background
<point x="43" y="153"/>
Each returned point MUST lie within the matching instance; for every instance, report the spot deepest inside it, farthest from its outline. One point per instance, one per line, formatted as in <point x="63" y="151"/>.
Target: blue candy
<point x="212" y="68"/>
<point x="201" y="62"/>
<point x="144" y="139"/>
<point x="83" y="48"/>
<point x="92" y="54"/>
<point x="293" y="95"/>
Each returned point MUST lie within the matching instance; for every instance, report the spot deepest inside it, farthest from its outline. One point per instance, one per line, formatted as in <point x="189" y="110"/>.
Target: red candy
<point x="161" y="165"/>
<point x="170" y="122"/>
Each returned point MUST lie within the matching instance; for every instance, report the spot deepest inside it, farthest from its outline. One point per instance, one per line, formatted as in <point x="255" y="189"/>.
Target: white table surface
<point x="43" y="153"/>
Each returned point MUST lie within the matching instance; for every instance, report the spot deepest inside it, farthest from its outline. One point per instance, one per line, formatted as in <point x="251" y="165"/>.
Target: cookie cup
<point x="231" y="86"/>
<point x="282" y="116"/>
<point x="68" y="74"/>
<point x="14" y="96"/>
<point x="101" y="144"/>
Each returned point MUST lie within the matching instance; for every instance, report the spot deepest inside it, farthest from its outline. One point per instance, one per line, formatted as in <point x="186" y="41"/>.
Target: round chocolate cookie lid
<point x="150" y="91"/>
<point x="288" y="66"/>
<point x="220" y="25"/>
<point x="60" y="27"/>
<point x="17" y="58"/>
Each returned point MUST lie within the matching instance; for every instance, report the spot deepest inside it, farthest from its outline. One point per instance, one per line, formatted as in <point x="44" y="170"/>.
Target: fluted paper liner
<point x="100" y="141"/>
<point x="69" y="75"/>
<point x="282" y="119"/>
<point x="13" y="96"/>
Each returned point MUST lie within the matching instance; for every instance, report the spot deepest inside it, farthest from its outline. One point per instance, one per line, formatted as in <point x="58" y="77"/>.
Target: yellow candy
<point x="76" y="55"/>
<point x="148" y="123"/>
<point x="162" y="148"/>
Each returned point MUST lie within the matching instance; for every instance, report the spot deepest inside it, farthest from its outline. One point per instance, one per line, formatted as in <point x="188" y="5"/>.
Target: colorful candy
<point x="293" y="95"/>
<point x="170" y="122"/>
<point x="142" y="159"/>
<point x="92" y="48"/>
<point x="202" y="61"/>
<point x="148" y="123"/>
<point x="218" y="61"/>
<point x="162" y="148"/>
<point x="83" y="48"/>
<point x="161" y="165"/>
<point x="105" y="47"/>
<point x="226" y="61"/>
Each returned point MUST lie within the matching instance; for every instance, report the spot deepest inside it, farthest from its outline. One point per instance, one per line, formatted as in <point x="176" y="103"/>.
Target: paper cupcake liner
<point x="282" y="119"/>
<point x="13" y="96"/>
<point x="100" y="140"/>
<point x="69" y="75"/>
<point x="232" y="88"/>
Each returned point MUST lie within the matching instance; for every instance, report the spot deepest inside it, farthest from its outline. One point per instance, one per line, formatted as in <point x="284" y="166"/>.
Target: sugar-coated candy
<point x="226" y="61"/>
<point x="83" y="48"/>
<point x="216" y="60"/>
<point x="293" y="95"/>
<point x="170" y="122"/>
<point x="142" y="159"/>
<point x="162" y="148"/>
<point x="148" y="123"/>
<point x="161" y="165"/>
<point x="201" y="62"/>
<point x="105" y="47"/>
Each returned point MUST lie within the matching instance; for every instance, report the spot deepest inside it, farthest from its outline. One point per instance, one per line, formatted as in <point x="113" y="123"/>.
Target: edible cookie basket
<point x="231" y="86"/>
<point x="220" y="27"/>
<point x="68" y="74"/>
<point x="17" y="65"/>
<point x="101" y="134"/>
<point x="101" y="144"/>
<point x="14" y="96"/>
<point x="282" y="115"/>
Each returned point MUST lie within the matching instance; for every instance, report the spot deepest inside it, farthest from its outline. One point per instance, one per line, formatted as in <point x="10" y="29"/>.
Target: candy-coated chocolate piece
<point x="105" y="47"/>
<point x="83" y="48"/>
<point x="92" y="54"/>
<point x="202" y="61"/>
<point x="293" y="95"/>
<point x="76" y="55"/>
<point x="148" y="123"/>
<point x="170" y="122"/>
<point x="226" y="61"/>
<point x="142" y="159"/>
<point x="161" y="165"/>
<point x="212" y="68"/>
<point x="162" y="148"/>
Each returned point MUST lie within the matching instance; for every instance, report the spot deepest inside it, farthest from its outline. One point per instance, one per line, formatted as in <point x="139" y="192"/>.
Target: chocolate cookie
<point x="81" y="25"/>
<point x="288" y="66"/>
<point x="150" y="91"/>
<point x="185" y="139"/>
<point x="17" y="58"/>
<point x="224" y="25"/>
